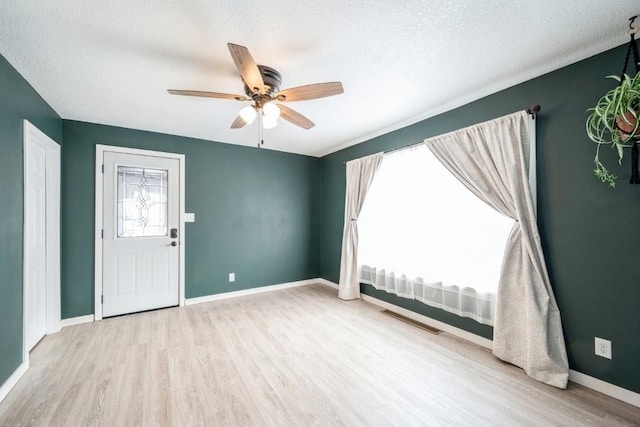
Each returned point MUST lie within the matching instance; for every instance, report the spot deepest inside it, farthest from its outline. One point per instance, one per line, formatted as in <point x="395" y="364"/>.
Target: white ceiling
<point x="111" y="62"/>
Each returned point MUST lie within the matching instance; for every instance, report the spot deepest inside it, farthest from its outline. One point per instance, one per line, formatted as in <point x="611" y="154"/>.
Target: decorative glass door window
<point x="142" y="202"/>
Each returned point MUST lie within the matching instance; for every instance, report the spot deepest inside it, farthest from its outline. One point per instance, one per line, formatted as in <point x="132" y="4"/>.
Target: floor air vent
<point x="412" y="322"/>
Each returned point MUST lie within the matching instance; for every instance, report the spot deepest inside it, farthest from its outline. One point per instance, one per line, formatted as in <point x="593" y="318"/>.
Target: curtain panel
<point x="463" y="301"/>
<point x="492" y="159"/>
<point x="360" y="173"/>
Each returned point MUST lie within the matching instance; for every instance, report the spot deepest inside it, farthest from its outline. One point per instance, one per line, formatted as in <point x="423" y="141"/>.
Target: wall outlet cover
<point x="232" y="277"/>
<point x="603" y="347"/>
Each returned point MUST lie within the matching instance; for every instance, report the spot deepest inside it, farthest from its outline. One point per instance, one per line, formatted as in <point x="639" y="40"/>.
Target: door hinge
<point x="103" y="168"/>
<point x="101" y="299"/>
<point x="102" y="233"/>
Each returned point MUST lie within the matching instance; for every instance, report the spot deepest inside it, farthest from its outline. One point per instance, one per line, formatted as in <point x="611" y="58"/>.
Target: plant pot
<point x="626" y="126"/>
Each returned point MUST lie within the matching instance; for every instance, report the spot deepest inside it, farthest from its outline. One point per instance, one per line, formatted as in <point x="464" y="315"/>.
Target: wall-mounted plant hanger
<point x="614" y="119"/>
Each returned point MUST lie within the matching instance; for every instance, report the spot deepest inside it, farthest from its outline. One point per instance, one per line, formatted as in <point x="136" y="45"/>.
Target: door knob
<point x="173" y="244"/>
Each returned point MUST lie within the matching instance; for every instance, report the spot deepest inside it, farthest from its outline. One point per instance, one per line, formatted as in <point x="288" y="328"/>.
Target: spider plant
<point x="614" y="121"/>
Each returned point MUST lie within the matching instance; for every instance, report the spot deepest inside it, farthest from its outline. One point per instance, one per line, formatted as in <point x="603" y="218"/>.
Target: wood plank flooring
<point x="295" y="357"/>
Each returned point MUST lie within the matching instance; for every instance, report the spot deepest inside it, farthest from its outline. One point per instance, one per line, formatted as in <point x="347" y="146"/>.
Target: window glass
<point x="418" y="220"/>
<point x="142" y="202"/>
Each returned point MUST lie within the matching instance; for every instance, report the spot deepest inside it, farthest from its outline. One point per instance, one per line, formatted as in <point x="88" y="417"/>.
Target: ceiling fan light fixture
<point x="269" y="122"/>
<point x="271" y="111"/>
<point x="248" y="114"/>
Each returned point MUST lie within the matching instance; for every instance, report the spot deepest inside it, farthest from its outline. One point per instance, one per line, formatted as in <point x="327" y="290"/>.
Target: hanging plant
<point x="614" y="121"/>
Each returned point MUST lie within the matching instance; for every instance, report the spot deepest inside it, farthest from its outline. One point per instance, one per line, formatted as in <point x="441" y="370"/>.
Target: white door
<point x="140" y="233"/>
<point x="35" y="243"/>
<point x="41" y="273"/>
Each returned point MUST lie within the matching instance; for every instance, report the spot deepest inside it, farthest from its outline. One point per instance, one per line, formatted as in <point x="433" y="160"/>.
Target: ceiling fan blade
<point x="207" y="94"/>
<point x="312" y="91"/>
<point x="247" y="67"/>
<point x="238" y="123"/>
<point x="291" y="115"/>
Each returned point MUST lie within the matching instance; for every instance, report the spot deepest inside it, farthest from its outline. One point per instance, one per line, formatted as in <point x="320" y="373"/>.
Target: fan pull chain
<point x="260" y="129"/>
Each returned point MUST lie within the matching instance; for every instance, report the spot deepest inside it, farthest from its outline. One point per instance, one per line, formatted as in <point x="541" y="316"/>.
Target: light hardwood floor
<point x="294" y="357"/>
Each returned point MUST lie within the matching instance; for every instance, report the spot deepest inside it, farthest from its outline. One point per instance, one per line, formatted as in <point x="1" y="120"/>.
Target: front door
<point x="140" y="233"/>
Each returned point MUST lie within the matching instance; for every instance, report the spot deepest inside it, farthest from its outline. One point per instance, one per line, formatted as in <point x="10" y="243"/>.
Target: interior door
<point x="35" y="243"/>
<point x="140" y="233"/>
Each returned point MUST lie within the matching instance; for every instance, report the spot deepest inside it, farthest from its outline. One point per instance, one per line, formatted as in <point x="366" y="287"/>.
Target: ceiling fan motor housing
<point x="271" y="78"/>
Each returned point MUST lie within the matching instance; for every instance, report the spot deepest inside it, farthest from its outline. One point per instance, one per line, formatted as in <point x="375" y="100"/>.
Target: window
<point x="423" y="235"/>
<point x="142" y="202"/>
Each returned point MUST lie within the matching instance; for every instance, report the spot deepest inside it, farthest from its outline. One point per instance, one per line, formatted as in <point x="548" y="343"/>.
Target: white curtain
<point x="491" y="159"/>
<point x="360" y="173"/>
<point x="463" y="301"/>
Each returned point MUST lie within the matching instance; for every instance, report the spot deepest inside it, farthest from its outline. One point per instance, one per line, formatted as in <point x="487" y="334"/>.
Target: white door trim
<point x="52" y="213"/>
<point x="100" y="149"/>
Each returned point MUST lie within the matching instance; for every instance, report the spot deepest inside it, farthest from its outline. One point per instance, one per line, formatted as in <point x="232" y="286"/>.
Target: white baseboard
<point x="251" y="291"/>
<point x="604" y="387"/>
<point x="327" y="283"/>
<point x="77" y="320"/>
<point x="13" y="379"/>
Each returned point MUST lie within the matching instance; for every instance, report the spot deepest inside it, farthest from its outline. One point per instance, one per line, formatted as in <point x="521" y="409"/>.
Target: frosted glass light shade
<point x="248" y="114"/>
<point x="269" y="122"/>
<point x="271" y="111"/>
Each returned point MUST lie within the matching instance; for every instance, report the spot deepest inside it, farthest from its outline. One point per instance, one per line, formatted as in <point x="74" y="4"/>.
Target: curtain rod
<point x="532" y="110"/>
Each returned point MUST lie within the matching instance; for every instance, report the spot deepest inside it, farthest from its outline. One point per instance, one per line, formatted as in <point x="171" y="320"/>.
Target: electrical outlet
<point x="603" y="348"/>
<point x="232" y="277"/>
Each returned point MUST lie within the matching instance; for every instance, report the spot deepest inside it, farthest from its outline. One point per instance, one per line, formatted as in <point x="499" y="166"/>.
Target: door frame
<point x="33" y="135"/>
<point x="99" y="220"/>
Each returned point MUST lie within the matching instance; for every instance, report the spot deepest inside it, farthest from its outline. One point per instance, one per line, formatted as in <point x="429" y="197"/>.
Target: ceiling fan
<point x="262" y="87"/>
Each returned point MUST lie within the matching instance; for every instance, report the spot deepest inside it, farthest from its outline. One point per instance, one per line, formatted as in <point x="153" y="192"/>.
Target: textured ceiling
<point x="111" y="61"/>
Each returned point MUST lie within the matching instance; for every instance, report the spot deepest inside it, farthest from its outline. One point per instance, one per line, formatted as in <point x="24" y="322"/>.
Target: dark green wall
<point x="257" y="213"/>
<point x="18" y="101"/>
<point x="590" y="233"/>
